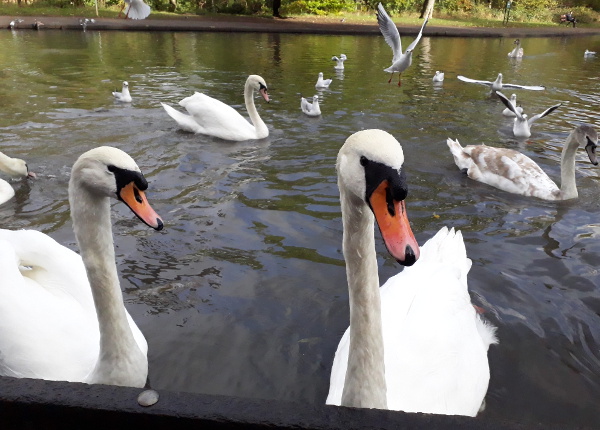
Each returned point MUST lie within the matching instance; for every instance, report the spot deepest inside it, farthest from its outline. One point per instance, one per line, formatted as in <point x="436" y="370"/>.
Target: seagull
<point x="322" y="83"/>
<point x="522" y="125"/>
<point x="400" y="61"/>
<point x="586" y="54"/>
<point x="124" y="95"/>
<point x="136" y="9"/>
<point x="513" y="101"/>
<point x="84" y="22"/>
<point x="14" y="23"/>
<point x="518" y="51"/>
<point x="340" y="61"/>
<point x="439" y="77"/>
<point x="310" y="109"/>
<point x="497" y="85"/>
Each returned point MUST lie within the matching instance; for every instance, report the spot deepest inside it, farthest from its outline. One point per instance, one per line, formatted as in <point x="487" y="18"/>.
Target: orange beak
<point x="394" y="226"/>
<point x="135" y="198"/>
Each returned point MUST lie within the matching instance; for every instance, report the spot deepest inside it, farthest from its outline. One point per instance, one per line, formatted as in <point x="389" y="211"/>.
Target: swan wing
<point x="217" y="118"/>
<point x="543" y="114"/>
<point x="185" y="122"/>
<point x="390" y="32"/>
<point x="473" y="81"/>
<point x="412" y="46"/>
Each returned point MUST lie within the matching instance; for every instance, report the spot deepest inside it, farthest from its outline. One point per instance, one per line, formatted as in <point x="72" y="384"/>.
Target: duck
<point x="62" y="315"/>
<point x="517" y="52"/>
<point x="310" y="109"/>
<point x="136" y="9"/>
<point x="400" y="60"/>
<point x="214" y="118"/>
<point x="438" y="77"/>
<point x="339" y="61"/>
<point x="323" y="83"/>
<point x="513" y="101"/>
<point x="14" y="167"/>
<point x="522" y="124"/>
<point x="498" y="85"/>
<point x="589" y="53"/>
<point x="124" y="96"/>
<point x="417" y="343"/>
<point x="514" y="172"/>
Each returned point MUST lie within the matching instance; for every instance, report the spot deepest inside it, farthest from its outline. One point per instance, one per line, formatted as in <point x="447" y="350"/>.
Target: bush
<point x="318" y="7"/>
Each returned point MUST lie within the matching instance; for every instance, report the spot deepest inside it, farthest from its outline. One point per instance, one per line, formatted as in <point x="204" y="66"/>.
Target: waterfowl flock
<point x="417" y="343"/>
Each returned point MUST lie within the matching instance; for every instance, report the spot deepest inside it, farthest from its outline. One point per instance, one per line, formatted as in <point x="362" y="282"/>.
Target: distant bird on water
<point x="438" y="77"/>
<point x="400" y="61"/>
<point x="14" y="23"/>
<point x="517" y="52"/>
<point x="310" y="109"/>
<point x="124" y="95"/>
<point x="589" y="53"/>
<point x="322" y="83"/>
<point x="340" y="61"/>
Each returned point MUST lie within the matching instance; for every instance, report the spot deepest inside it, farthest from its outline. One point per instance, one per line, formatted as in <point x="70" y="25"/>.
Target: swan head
<point x="15" y="167"/>
<point x="258" y="84"/>
<point x="110" y="172"/>
<point x="587" y="136"/>
<point x="370" y="168"/>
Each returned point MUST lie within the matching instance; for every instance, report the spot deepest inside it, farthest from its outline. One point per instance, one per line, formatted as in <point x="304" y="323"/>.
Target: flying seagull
<point x="498" y="85"/>
<point x="400" y="61"/>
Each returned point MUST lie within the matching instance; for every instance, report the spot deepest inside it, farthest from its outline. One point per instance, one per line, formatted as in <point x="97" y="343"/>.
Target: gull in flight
<point x="522" y="125"/>
<point x="400" y="61"/>
<point x="497" y="85"/>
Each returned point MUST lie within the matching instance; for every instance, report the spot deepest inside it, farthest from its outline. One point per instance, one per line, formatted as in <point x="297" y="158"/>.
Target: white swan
<point x="509" y="112"/>
<point x="517" y="52"/>
<point x="400" y="60"/>
<point x="14" y="167"/>
<point x="339" y="61"/>
<point x="214" y="118"/>
<point x="438" y="77"/>
<point x="310" y="109"/>
<point x="136" y="9"/>
<point x="522" y="124"/>
<point x="61" y="315"/>
<point x="421" y="347"/>
<point x="124" y="95"/>
<point x="497" y="85"/>
<point x="514" y="172"/>
<point x="323" y="83"/>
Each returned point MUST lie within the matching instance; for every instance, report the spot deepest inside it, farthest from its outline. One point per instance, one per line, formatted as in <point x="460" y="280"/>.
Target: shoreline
<point x="249" y="24"/>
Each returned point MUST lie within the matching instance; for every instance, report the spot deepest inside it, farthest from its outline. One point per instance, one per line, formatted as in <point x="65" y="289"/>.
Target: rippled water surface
<point x="244" y="292"/>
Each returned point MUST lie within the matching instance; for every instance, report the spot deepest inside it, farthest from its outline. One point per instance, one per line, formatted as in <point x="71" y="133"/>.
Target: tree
<point x="427" y="9"/>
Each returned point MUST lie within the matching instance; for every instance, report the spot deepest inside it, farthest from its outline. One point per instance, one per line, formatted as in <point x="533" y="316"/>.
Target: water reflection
<point x="244" y="291"/>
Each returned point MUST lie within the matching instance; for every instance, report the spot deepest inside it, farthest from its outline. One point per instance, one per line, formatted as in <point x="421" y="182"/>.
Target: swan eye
<point x="364" y="161"/>
<point x="111" y="168"/>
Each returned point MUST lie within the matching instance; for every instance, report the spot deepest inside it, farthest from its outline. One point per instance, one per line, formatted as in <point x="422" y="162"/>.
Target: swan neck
<point x="259" y="125"/>
<point x="365" y="385"/>
<point x="91" y="218"/>
<point x="568" y="187"/>
<point x="8" y="165"/>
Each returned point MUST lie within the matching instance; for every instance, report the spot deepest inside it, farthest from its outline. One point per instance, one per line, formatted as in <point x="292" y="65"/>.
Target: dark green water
<point x="244" y="292"/>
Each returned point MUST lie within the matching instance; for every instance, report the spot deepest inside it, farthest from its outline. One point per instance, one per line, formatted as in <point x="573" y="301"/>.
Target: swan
<point x="62" y="315"/>
<point x="214" y="118"/>
<point x="310" y="109"/>
<point x="124" y="95"/>
<point x="516" y="173"/>
<point x="136" y="9"/>
<point x="497" y="85"/>
<point x="322" y="83"/>
<point x="400" y="61"/>
<point x="339" y="61"/>
<point x="517" y="52"/>
<point x="421" y="346"/>
<point x="14" y="167"/>
<point x="438" y="77"/>
<point x="589" y="53"/>
<point x="522" y="125"/>
<point x="513" y="101"/>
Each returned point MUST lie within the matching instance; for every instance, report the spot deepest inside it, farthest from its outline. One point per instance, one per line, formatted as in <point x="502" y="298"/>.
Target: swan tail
<point x="185" y="122"/>
<point x="461" y="158"/>
<point x="138" y="10"/>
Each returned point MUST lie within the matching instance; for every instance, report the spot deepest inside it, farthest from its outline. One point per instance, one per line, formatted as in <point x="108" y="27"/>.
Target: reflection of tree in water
<point x="275" y="41"/>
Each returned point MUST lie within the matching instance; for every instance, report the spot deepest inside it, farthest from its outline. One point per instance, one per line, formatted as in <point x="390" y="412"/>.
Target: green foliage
<point x="318" y="7"/>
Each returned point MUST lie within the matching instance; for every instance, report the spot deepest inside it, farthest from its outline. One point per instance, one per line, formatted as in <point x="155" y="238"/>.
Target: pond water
<point x="244" y="292"/>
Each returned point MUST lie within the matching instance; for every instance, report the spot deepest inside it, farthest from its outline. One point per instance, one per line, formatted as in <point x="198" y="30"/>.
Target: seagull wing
<point x="543" y="114"/>
<point x="473" y="81"/>
<point x="389" y="31"/>
<point x="509" y="105"/>
<point x="524" y="87"/>
<point x="334" y="58"/>
<point x="414" y="43"/>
